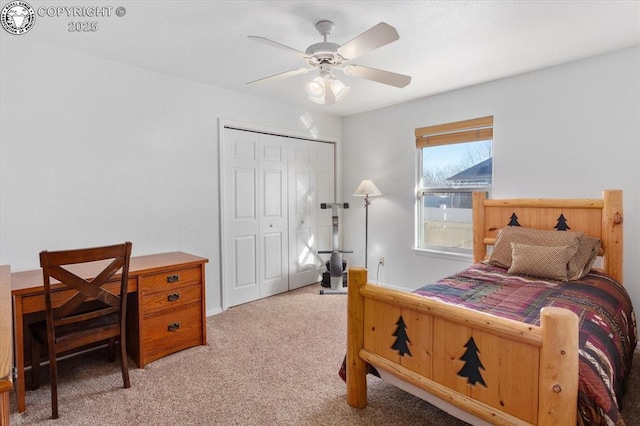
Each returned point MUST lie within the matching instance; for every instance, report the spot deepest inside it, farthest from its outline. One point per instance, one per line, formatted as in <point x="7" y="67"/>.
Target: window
<point x="455" y="159"/>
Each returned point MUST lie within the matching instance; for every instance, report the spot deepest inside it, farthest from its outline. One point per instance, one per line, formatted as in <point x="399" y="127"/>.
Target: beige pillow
<point x="501" y="253"/>
<point x="542" y="261"/>
<point x="585" y="257"/>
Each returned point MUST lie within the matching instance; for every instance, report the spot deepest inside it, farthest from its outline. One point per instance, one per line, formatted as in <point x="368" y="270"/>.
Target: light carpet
<point x="270" y="362"/>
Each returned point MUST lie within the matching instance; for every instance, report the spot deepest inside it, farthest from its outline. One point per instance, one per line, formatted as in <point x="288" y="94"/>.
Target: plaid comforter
<point x="607" y="325"/>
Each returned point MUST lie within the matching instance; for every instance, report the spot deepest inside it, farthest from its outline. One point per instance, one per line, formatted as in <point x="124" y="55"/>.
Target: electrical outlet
<point x="381" y="260"/>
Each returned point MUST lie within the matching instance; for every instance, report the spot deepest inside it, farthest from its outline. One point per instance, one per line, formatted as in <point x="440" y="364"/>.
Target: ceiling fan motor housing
<point x="324" y="53"/>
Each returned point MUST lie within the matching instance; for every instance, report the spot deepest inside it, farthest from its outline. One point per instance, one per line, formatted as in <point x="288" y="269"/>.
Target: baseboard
<point x="212" y="312"/>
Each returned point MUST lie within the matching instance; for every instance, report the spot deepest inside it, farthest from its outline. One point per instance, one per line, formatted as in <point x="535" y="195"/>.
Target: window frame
<point x="473" y="130"/>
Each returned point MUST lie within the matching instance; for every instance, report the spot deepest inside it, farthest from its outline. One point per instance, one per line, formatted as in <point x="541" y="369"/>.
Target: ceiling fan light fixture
<point x="317" y="99"/>
<point x="315" y="88"/>
<point x="340" y="91"/>
<point x="326" y="89"/>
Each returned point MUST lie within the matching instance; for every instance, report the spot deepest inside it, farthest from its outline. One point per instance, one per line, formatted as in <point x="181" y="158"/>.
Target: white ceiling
<point x="444" y="45"/>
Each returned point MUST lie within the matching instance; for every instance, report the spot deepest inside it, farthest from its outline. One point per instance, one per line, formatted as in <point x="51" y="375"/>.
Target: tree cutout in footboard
<point x="472" y="364"/>
<point x="402" y="339"/>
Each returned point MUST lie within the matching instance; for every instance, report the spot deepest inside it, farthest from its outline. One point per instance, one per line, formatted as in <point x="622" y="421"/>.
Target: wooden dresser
<point x="166" y="309"/>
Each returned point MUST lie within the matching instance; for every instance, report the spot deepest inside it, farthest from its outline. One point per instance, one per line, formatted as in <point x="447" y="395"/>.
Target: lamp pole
<point x="366" y="189"/>
<point x="366" y="229"/>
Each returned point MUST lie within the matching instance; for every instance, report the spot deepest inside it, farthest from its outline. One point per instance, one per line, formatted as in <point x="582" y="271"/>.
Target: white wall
<point x="94" y="152"/>
<point x="567" y="131"/>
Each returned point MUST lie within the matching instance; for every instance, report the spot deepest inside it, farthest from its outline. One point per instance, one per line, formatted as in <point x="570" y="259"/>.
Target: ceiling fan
<point x="326" y="56"/>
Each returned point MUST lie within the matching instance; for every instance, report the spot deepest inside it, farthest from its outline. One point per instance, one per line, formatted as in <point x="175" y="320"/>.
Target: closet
<point x="272" y="224"/>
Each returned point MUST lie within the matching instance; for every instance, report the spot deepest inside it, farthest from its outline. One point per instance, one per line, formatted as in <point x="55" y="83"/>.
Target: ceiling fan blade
<point x="385" y="77"/>
<point x="282" y="75"/>
<point x="280" y="46"/>
<point x="375" y="37"/>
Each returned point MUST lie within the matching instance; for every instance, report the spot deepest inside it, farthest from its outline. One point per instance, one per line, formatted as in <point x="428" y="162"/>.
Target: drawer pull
<point x="173" y="297"/>
<point x="174" y="327"/>
<point x="173" y="278"/>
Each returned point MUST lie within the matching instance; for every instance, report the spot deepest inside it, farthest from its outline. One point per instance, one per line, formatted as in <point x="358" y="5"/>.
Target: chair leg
<point x="124" y="363"/>
<point x="53" y="374"/>
<point x="35" y="363"/>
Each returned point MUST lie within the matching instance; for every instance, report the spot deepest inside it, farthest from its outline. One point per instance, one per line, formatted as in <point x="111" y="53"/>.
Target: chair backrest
<point x="104" y="299"/>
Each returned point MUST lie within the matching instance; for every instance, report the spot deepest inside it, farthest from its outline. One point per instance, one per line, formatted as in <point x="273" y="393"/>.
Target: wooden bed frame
<point x="531" y="372"/>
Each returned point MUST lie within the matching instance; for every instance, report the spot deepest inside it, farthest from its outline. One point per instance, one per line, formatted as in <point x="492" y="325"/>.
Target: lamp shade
<point x="315" y="88"/>
<point x="367" y="189"/>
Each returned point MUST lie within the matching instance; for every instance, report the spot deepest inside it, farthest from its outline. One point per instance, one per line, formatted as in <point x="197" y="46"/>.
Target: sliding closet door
<point x="254" y="220"/>
<point x="272" y="224"/>
<point x="240" y="224"/>
<point x="273" y="253"/>
<point x="311" y="182"/>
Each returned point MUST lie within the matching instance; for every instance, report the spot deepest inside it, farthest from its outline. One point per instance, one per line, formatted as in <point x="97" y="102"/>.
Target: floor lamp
<point x="366" y="189"/>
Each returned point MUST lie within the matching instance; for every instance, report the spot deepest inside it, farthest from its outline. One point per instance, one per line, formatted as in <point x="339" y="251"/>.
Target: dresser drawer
<point x="169" y="280"/>
<point x="171" y="330"/>
<point x="171" y="298"/>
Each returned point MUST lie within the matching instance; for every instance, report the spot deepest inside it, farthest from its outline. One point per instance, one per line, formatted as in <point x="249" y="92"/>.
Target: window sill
<point x="443" y="254"/>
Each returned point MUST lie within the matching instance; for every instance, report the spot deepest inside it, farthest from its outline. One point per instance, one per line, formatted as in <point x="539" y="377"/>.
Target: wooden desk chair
<point x="93" y="314"/>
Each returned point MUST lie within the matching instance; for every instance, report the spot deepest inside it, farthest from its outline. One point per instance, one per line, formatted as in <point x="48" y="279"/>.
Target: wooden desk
<point x="6" y="354"/>
<point x="165" y="310"/>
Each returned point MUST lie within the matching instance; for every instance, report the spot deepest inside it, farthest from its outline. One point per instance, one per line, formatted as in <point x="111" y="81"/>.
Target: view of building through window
<point x="450" y="173"/>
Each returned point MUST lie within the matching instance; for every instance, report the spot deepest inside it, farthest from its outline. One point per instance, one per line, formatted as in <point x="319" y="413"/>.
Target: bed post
<point x="558" y="385"/>
<point x="479" y="226"/>
<point x="612" y="233"/>
<point x="356" y="367"/>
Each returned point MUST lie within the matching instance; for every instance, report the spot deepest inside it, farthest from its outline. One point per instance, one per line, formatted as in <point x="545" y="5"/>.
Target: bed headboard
<point x="600" y="218"/>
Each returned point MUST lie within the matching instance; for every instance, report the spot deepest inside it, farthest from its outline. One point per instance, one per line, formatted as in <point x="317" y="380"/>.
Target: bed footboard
<point x="499" y="370"/>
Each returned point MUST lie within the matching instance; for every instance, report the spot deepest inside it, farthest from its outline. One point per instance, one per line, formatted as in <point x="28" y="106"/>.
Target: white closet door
<point x="273" y="253"/>
<point x="241" y="226"/>
<point x="310" y="183"/>
<point x="272" y="187"/>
